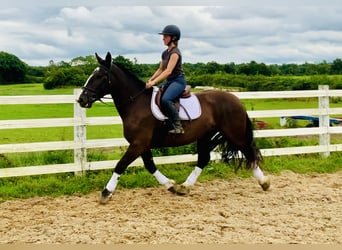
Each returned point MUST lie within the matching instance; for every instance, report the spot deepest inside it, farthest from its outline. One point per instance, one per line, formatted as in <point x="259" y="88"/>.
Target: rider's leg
<point x="173" y="90"/>
<point x="172" y="113"/>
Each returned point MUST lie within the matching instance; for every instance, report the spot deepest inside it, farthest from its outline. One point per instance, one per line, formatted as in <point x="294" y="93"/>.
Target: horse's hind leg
<point x="264" y="181"/>
<point x="203" y="149"/>
<point x="252" y="155"/>
<point x="152" y="169"/>
<point x="244" y="141"/>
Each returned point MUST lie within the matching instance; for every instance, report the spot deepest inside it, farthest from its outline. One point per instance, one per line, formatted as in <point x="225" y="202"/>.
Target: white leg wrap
<point x="258" y="174"/>
<point x="192" y="178"/>
<point x="162" y="179"/>
<point x="111" y="185"/>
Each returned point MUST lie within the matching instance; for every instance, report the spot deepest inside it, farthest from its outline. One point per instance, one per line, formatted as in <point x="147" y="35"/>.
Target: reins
<point x="131" y="99"/>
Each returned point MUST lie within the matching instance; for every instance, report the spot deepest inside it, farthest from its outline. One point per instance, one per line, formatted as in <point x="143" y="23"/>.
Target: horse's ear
<point x="108" y="62"/>
<point x="99" y="59"/>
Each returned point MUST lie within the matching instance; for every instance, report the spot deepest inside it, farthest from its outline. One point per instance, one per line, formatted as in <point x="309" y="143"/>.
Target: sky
<point x="222" y="31"/>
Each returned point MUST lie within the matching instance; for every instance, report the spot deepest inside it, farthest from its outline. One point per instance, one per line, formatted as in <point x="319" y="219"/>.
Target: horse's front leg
<point x="152" y="169"/>
<point x="132" y="153"/>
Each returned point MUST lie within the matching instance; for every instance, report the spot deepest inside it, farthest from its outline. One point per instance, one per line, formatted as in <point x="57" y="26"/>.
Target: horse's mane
<point x="132" y="76"/>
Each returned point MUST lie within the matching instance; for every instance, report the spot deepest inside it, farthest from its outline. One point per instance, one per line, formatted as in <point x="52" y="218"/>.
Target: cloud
<point x="236" y="31"/>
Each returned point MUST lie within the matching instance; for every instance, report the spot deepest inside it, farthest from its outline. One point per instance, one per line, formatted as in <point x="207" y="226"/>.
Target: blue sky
<point x="223" y="31"/>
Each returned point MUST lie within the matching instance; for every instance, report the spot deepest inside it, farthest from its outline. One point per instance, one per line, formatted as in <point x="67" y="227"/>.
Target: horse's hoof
<point x="170" y="186"/>
<point x="265" y="183"/>
<point x="182" y="189"/>
<point x="172" y="189"/>
<point x="105" y="196"/>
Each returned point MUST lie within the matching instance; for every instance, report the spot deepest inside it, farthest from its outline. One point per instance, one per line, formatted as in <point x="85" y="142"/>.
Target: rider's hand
<point x="149" y="84"/>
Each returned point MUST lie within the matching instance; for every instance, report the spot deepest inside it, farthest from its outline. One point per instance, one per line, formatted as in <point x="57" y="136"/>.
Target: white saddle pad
<point x="191" y="105"/>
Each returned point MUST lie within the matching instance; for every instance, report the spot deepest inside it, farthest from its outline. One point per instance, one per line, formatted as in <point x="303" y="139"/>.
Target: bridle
<point x="92" y="99"/>
<point x="94" y="96"/>
<point x="131" y="99"/>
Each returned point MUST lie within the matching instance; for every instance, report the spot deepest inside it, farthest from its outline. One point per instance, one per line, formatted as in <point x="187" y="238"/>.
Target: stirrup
<point x="177" y="130"/>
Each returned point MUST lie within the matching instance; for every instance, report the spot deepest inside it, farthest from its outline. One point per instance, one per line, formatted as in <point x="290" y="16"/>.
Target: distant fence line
<point x="80" y="144"/>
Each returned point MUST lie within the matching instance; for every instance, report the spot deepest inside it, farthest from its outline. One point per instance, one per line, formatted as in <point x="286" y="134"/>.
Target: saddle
<point x="185" y="94"/>
<point x="187" y="104"/>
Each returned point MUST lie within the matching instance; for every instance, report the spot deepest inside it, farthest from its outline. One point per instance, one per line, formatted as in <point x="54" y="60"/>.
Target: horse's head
<point x="98" y="83"/>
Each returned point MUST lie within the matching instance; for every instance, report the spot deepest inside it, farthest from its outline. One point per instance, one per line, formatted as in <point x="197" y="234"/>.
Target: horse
<point x="223" y="121"/>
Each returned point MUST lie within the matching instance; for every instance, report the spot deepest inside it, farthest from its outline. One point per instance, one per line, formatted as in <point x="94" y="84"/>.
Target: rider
<point x="170" y="69"/>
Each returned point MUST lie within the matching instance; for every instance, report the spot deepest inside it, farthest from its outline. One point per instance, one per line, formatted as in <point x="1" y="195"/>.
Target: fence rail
<point x="80" y="144"/>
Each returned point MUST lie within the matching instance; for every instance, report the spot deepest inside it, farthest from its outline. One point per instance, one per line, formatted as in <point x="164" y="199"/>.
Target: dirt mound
<point x="297" y="209"/>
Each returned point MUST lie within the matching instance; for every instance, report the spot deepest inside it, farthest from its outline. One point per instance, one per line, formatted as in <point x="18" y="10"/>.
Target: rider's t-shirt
<point x="178" y="69"/>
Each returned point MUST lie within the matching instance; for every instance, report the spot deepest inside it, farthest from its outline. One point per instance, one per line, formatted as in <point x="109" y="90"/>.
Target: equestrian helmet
<point x="171" y="30"/>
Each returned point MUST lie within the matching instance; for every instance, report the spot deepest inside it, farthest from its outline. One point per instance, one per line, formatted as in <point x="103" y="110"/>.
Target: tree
<point x="127" y="64"/>
<point x="35" y="74"/>
<point x="336" y="67"/>
<point x="230" y="68"/>
<point x="213" y="67"/>
<point x="54" y="77"/>
<point x="254" y="68"/>
<point x="12" y="69"/>
<point x="194" y="69"/>
<point x="323" y="68"/>
<point x="87" y="63"/>
<point x="87" y="60"/>
<point x="274" y="70"/>
<point x="289" y="69"/>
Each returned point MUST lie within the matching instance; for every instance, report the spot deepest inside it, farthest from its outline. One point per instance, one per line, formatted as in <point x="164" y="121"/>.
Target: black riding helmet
<point x="171" y="30"/>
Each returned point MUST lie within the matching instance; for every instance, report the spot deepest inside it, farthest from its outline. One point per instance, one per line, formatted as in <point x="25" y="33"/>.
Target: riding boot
<point x="173" y="116"/>
<point x="177" y="128"/>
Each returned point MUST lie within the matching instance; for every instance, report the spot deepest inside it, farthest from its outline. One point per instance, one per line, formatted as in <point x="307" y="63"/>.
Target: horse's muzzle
<point x="84" y="103"/>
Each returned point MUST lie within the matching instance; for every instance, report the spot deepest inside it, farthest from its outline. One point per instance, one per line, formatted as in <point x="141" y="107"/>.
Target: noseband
<point x="93" y="99"/>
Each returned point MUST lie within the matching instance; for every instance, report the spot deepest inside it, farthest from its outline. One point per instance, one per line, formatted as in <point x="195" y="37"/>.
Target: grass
<point x="36" y="111"/>
<point x="137" y="177"/>
<point x="32" y="89"/>
<point x="68" y="183"/>
<point x="10" y="136"/>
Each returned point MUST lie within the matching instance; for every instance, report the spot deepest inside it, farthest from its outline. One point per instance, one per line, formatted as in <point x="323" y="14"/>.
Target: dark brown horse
<point x="223" y="120"/>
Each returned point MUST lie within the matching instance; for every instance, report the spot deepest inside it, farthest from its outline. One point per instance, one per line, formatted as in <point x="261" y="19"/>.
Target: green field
<point x="32" y="89"/>
<point x="36" y="111"/>
<point x="135" y="177"/>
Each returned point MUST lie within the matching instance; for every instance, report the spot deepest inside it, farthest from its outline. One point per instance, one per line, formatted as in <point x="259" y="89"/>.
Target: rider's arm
<point x="157" y="73"/>
<point x="164" y="73"/>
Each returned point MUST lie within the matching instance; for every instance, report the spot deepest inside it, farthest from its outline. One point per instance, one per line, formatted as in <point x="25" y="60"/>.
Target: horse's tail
<point x="249" y="130"/>
<point x="230" y="151"/>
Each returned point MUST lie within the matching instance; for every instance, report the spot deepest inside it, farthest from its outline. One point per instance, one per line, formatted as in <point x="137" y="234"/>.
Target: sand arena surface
<point x="297" y="209"/>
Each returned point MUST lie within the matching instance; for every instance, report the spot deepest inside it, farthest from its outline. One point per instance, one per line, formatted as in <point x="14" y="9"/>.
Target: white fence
<point x="80" y="144"/>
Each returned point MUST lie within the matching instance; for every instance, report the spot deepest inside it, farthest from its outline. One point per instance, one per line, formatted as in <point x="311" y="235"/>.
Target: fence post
<point x="324" y="119"/>
<point x="80" y="135"/>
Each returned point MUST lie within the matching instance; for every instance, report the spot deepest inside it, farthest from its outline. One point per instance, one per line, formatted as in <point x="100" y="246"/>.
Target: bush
<point x="65" y="76"/>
